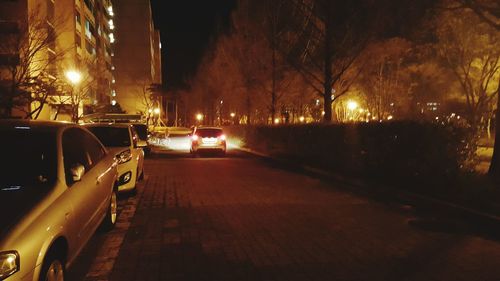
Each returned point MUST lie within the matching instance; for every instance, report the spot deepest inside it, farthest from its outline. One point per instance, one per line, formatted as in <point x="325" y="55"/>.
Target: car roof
<point x="208" y="128"/>
<point x="108" y="125"/>
<point x="34" y="124"/>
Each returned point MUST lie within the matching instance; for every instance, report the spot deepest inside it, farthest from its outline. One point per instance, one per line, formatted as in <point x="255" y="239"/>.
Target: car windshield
<point x="31" y="156"/>
<point x="112" y="136"/>
<point x="142" y="131"/>
<point x="209" y="133"/>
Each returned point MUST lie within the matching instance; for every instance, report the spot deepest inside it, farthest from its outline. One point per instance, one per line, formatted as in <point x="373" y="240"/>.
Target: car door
<point x="102" y="170"/>
<point x="82" y="193"/>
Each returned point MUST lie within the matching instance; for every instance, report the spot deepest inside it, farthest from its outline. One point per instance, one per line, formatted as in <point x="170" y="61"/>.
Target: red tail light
<point x="222" y="137"/>
<point x="194" y="137"/>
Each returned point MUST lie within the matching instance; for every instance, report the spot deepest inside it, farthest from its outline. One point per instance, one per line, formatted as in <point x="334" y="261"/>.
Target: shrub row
<point x="389" y="151"/>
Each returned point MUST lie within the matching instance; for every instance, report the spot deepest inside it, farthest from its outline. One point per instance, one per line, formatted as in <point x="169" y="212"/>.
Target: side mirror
<point x="142" y="144"/>
<point x="77" y="172"/>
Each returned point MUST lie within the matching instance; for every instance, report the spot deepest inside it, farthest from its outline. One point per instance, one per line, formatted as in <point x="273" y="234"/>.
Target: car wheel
<point x="112" y="212"/>
<point x="53" y="269"/>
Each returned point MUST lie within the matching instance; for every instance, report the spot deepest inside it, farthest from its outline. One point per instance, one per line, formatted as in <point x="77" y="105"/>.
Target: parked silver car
<point x="122" y="140"/>
<point x="57" y="185"/>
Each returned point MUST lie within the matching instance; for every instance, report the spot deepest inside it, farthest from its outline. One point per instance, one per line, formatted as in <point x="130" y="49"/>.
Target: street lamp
<point x="233" y="114"/>
<point x="74" y="76"/>
<point x="352" y="105"/>
<point x="199" y="116"/>
<point x="157" y="111"/>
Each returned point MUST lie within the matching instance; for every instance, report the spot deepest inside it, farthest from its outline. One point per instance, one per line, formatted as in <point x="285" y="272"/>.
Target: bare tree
<point x="33" y="77"/>
<point x="382" y="76"/>
<point x="325" y="41"/>
<point x="470" y="50"/>
<point x="489" y="12"/>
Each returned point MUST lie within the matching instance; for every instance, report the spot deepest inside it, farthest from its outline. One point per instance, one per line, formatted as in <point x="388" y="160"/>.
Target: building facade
<point x="73" y="59"/>
<point x="137" y="55"/>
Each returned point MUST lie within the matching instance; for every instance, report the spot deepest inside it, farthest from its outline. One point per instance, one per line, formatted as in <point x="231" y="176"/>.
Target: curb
<point x="483" y="220"/>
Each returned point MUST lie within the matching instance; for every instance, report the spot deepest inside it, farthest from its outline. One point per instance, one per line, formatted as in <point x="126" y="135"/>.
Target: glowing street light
<point x="302" y="119"/>
<point x="156" y="111"/>
<point x="233" y="114"/>
<point x="276" y="121"/>
<point x="352" y="105"/>
<point x="199" y="116"/>
<point x="74" y="76"/>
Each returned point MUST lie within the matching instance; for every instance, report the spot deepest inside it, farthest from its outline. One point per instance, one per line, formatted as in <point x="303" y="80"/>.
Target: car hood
<point x="16" y="202"/>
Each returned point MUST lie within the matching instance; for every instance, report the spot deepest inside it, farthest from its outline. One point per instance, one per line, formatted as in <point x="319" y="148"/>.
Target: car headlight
<point x="9" y="264"/>
<point x="124" y="156"/>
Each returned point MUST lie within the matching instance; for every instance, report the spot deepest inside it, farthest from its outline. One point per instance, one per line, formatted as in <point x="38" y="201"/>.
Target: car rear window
<point x="111" y="136"/>
<point x="209" y="133"/>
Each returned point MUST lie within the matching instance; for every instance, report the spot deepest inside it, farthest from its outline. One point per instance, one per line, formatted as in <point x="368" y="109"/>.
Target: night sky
<point x="186" y="28"/>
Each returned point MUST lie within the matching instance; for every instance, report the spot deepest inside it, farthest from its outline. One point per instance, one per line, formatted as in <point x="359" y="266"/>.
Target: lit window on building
<point x="110" y="11"/>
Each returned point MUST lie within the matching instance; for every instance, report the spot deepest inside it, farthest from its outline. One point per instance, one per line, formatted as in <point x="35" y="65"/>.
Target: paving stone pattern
<point x="241" y="219"/>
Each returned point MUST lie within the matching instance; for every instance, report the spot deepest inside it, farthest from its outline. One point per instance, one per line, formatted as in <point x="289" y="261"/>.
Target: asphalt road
<point x="243" y="218"/>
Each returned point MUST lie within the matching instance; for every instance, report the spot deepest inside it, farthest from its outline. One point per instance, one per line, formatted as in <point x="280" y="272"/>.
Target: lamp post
<point x="74" y="77"/>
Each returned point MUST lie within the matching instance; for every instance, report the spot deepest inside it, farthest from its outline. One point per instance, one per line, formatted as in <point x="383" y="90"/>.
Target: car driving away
<point x="122" y="140"/>
<point x="208" y="139"/>
<point x="58" y="187"/>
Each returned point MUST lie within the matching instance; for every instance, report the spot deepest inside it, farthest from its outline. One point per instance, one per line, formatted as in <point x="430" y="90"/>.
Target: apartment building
<point x="137" y="54"/>
<point x="76" y="62"/>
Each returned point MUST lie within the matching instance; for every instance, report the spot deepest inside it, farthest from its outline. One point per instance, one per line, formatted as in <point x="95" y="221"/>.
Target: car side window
<point x="74" y="152"/>
<point x="95" y="149"/>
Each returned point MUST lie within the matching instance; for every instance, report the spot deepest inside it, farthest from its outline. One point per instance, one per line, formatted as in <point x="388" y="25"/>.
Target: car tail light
<point x="194" y="137"/>
<point x="222" y="137"/>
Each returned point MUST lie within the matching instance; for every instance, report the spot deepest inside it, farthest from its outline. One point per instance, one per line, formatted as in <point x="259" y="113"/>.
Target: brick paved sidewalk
<point x="238" y="219"/>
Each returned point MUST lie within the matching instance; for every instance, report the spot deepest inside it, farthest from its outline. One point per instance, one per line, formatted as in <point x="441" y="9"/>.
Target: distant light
<point x="110" y="11"/>
<point x="276" y="121"/>
<point x="323" y="112"/>
<point x="222" y="137"/>
<point x="352" y="105"/>
<point x="302" y="119"/>
<point x="111" y="39"/>
<point x="113" y="102"/>
<point x="437" y="118"/>
<point x="160" y="45"/>
<point x="390" y="117"/>
<point x="233" y="114"/>
<point x="199" y="116"/>
<point x="23" y="128"/>
<point x="317" y="102"/>
<point x="113" y="81"/>
<point x="157" y="110"/>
